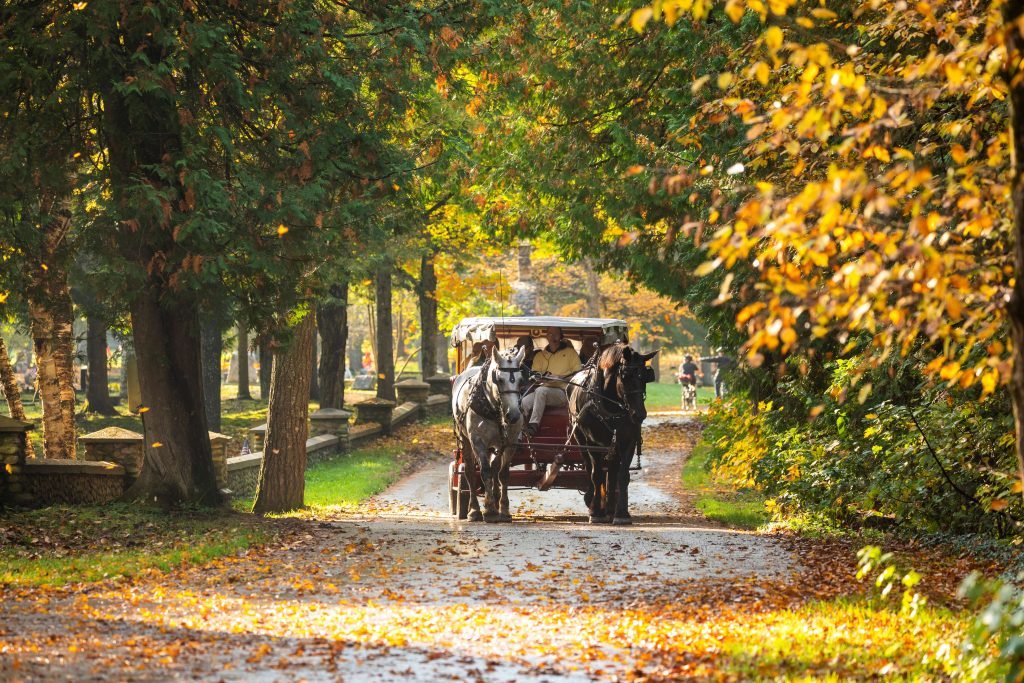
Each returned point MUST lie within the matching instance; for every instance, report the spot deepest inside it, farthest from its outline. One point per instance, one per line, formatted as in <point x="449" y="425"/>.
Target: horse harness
<point x="481" y="403"/>
<point x="606" y="416"/>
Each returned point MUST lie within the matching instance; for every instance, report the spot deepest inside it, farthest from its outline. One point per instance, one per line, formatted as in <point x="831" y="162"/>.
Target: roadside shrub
<point x="994" y="647"/>
<point x="880" y="448"/>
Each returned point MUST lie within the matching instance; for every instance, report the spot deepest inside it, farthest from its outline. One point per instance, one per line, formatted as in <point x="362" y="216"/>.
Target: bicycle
<point x="689" y="396"/>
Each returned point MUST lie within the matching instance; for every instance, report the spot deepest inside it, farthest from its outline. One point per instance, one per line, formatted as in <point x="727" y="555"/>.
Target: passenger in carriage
<point x="590" y="345"/>
<point x="526" y="342"/>
<point x="480" y="354"/>
<point x="558" y="361"/>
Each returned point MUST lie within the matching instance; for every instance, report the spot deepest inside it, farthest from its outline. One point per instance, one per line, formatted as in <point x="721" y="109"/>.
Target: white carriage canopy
<point x="474" y="330"/>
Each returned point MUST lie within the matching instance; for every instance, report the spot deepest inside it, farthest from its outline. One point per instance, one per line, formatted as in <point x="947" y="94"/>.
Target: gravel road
<point x="400" y="591"/>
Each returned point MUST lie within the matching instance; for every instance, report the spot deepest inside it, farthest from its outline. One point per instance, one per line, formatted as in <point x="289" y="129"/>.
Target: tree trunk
<point x="98" y="392"/>
<point x="12" y="392"/>
<point x="355" y="352"/>
<point x="142" y="132"/>
<point x="266" y="364"/>
<point x="385" y="352"/>
<point x="399" y="327"/>
<point x="243" y="363"/>
<point x="1013" y="14"/>
<point x="50" y="313"/>
<point x="592" y="291"/>
<point x="371" y="318"/>
<point x="428" y="316"/>
<point x="178" y="464"/>
<point x="441" y="346"/>
<point x="314" y="371"/>
<point x="282" y="480"/>
<point x="212" y="345"/>
<point x="332" y="319"/>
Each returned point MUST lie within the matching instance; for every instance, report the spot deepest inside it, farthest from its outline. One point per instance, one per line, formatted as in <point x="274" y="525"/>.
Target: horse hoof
<point x="492" y="517"/>
<point x="622" y="521"/>
<point x="475" y="516"/>
<point x="504" y="517"/>
<point x="594" y="519"/>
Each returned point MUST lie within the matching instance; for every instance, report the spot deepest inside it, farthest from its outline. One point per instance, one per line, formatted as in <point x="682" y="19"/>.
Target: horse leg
<point x="597" y="512"/>
<point x="494" y="490"/>
<point x="503" y="512"/>
<point x="471" y="471"/>
<point x="622" y="515"/>
<point x="611" y="487"/>
<point x="483" y="453"/>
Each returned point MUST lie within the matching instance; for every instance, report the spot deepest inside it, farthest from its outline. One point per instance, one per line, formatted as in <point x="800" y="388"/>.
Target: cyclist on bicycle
<point x="687" y="378"/>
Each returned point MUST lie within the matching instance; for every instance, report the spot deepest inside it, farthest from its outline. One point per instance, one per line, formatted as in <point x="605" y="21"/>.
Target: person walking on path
<point x="722" y="364"/>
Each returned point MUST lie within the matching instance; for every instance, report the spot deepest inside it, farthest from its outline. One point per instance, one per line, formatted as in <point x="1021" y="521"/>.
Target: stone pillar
<point x="13" y="451"/>
<point x="415" y="391"/>
<point x="330" y="421"/>
<point x="440" y="384"/>
<point x="219" y="446"/>
<point x="412" y="390"/>
<point x="377" y="410"/>
<point x="120" y="446"/>
<point x="259" y="437"/>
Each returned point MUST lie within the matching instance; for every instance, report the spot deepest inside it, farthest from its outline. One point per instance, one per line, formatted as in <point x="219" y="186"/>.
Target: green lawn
<point x="739" y="509"/>
<point x="351" y="479"/>
<point x="664" y="396"/>
<point x="59" y="545"/>
<point x="347" y="480"/>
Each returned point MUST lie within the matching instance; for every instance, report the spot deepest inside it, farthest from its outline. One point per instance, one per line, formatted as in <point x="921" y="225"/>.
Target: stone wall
<point x="13" y="452"/>
<point x="363" y="434"/>
<point x="405" y="413"/>
<point x="243" y="473"/>
<point x="74" y="482"/>
<point x="117" y="445"/>
<point x="439" y="406"/>
<point x="113" y="457"/>
<point x="321" y="448"/>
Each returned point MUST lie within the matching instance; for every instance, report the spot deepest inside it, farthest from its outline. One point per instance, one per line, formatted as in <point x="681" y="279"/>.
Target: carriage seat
<point x="555" y="423"/>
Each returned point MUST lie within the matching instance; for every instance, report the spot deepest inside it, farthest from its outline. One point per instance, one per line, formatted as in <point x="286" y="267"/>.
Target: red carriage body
<point x="533" y="455"/>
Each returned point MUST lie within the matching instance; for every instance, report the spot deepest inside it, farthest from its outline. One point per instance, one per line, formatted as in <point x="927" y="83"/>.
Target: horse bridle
<point x="625" y="404"/>
<point x="500" y="409"/>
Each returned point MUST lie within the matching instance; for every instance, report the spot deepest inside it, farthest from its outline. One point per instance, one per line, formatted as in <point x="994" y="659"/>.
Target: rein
<point x="482" y="403"/>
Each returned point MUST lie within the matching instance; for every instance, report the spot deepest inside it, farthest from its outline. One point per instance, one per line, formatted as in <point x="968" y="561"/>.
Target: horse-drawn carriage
<point x="553" y="456"/>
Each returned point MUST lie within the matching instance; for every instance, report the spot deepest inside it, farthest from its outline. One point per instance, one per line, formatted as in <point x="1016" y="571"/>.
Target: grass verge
<point x="663" y="396"/>
<point x="347" y="480"/>
<point x="61" y="545"/>
<point x="737" y="509"/>
<point x="846" y="638"/>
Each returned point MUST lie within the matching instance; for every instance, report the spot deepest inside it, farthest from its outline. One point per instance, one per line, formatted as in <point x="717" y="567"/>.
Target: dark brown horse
<point x="606" y="406"/>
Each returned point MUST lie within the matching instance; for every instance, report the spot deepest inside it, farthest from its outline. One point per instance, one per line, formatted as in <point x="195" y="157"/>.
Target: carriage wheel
<point x="453" y="493"/>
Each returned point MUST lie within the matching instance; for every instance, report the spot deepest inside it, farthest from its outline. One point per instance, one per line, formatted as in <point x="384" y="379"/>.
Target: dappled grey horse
<point x="488" y="419"/>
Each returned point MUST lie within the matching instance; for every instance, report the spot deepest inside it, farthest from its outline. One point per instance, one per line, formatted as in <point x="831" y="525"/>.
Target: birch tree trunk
<point x="50" y="318"/>
<point x="12" y="392"/>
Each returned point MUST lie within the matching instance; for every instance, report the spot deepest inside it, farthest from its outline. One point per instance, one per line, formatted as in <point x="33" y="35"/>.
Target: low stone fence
<point x="244" y="472"/>
<point x="113" y="457"/>
<point x="75" y="482"/>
